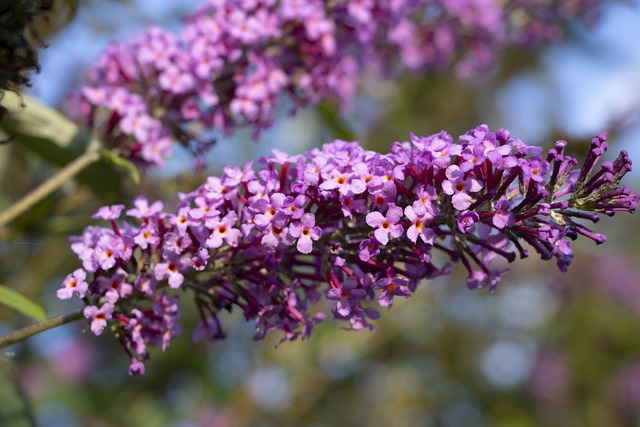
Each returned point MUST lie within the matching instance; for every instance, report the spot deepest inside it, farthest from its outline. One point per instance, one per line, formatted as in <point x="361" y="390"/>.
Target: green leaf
<point x="123" y="163"/>
<point x="15" y="410"/>
<point x="40" y="123"/>
<point x="19" y="302"/>
<point x="52" y="136"/>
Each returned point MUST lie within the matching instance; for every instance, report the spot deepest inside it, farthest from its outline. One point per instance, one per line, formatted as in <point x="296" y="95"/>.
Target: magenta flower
<point x="534" y="169"/>
<point x="98" y="316"/>
<point x="369" y="248"/>
<point x="141" y="126"/>
<point x="147" y="236"/>
<point x="502" y="217"/>
<point x="467" y="220"/>
<point x="143" y="210"/>
<point x="109" y="249"/>
<point x="270" y="210"/>
<point x="358" y="318"/>
<point x="115" y="287"/>
<point x="348" y="296"/>
<point x="176" y="243"/>
<point x="108" y="212"/>
<point x="175" y="80"/>
<point x="347" y="184"/>
<point x="136" y="367"/>
<point x="294" y="207"/>
<point x="306" y="232"/>
<point x="473" y="156"/>
<point x="391" y="287"/>
<point x="386" y="225"/>
<point x="172" y="267"/>
<point x="200" y="260"/>
<point x="74" y="283"/>
<point x="222" y="230"/>
<point x="455" y="185"/>
<point x="420" y="217"/>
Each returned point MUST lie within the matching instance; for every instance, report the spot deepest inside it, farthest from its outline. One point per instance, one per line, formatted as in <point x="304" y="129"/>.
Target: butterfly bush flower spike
<point x="233" y="61"/>
<point x="353" y="228"/>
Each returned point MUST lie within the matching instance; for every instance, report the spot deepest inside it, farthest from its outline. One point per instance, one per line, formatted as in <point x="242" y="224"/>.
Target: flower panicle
<point x="233" y="61"/>
<point x="354" y="227"/>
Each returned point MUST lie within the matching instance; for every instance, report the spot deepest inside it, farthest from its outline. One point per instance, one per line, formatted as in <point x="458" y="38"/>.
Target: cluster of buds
<point x="234" y="60"/>
<point x="354" y="226"/>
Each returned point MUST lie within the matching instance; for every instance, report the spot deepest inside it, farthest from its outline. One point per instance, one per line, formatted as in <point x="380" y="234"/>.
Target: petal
<point x="461" y="201"/>
<point x="474" y="185"/>
<point x="90" y="311"/>
<point x="232" y="237"/>
<point x="305" y="245"/>
<point x="160" y="270"/>
<point x="358" y="186"/>
<point x="97" y="326"/>
<point x="412" y="233"/>
<point x="396" y="231"/>
<point x="454" y="173"/>
<point x="410" y="213"/>
<point x="214" y="241"/>
<point x="308" y="220"/>
<point x="382" y="236"/>
<point x="448" y="187"/>
<point x="385" y="299"/>
<point x="64" y="293"/>
<point x="375" y="219"/>
<point x="343" y="308"/>
<point x="175" y="280"/>
<point x="394" y="214"/>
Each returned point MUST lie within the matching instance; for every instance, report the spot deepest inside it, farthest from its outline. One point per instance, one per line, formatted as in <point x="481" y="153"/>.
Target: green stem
<point x="36" y="328"/>
<point x="91" y="155"/>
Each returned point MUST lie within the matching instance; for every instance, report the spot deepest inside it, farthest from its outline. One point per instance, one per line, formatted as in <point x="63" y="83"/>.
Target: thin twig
<point x="36" y="328"/>
<point x="49" y="186"/>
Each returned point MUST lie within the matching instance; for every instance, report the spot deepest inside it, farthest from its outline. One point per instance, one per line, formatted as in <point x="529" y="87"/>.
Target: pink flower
<point x="98" y="316"/>
<point x="386" y="225"/>
<point x="305" y="231"/>
<point x="74" y="284"/>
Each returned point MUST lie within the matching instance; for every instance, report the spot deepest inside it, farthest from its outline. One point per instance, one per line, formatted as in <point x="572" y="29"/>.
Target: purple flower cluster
<point x="356" y="226"/>
<point x="235" y="59"/>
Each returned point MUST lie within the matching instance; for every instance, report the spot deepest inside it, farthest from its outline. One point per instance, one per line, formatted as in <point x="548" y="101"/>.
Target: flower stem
<point x="49" y="186"/>
<point x="36" y="328"/>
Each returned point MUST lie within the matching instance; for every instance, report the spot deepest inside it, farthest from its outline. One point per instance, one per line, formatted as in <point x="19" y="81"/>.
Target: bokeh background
<point x="545" y="349"/>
